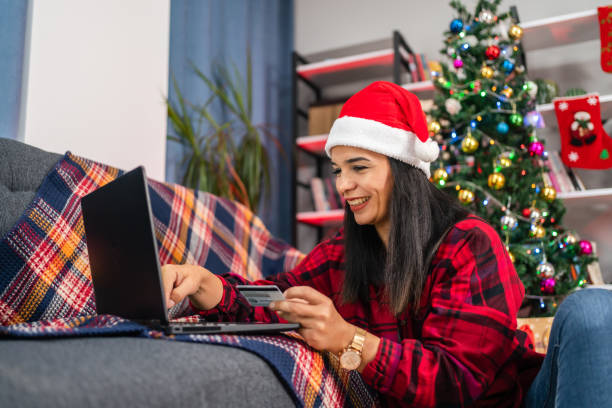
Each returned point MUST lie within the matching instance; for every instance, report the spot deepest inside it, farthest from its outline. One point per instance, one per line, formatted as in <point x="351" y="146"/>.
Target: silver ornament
<point x="546" y="270"/>
<point x="486" y="17"/>
<point x="536" y="216"/>
<point x="508" y="222"/>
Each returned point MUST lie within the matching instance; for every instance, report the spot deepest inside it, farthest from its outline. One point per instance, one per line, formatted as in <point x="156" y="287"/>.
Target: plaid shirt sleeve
<point x="313" y="271"/>
<point x="468" y="332"/>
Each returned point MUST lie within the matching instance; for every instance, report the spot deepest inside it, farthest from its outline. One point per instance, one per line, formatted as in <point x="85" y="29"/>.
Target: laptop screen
<point x="122" y="249"/>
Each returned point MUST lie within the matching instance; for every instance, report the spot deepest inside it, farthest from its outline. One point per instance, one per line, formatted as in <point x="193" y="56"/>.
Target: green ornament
<point x="604" y="155"/>
<point x="516" y="119"/>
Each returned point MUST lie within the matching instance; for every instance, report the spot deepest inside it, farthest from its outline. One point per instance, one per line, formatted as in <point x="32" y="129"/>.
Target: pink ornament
<point x="585" y="247"/>
<point x="536" y="148"/>
<point x="458" y="63"/>
<point x="548" y="286"/>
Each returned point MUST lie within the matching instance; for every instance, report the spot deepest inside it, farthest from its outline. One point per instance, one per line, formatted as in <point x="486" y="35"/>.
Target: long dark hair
<point x="420" y="213"/>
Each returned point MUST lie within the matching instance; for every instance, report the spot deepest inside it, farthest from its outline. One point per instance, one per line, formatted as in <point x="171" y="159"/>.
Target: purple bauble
<point x="585" y="247"/>
<point x="458" y="63"/>
<point x="536" y="148"/>
<point x="548" y="286"/>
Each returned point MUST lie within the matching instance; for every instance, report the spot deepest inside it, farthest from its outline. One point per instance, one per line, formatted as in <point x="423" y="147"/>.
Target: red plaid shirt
<point x="461" y="348"/>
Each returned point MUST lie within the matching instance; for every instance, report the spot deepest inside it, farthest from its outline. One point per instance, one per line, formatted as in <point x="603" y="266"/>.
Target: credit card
<point x="262" y="295"/>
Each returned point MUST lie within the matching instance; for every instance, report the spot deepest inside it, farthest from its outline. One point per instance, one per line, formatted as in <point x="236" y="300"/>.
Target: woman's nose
<point x="344" y="184"/>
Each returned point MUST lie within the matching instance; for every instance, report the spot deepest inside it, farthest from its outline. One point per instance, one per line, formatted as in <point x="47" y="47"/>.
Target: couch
<point x="120" y="370"/>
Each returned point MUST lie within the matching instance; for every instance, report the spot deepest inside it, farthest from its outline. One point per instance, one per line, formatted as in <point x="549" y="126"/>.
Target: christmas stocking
<point x="584" y="143"/>
<point x="605" y="33"/>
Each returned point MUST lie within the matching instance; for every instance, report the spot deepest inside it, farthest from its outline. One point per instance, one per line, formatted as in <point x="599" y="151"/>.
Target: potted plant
<point x="225" y="158"/>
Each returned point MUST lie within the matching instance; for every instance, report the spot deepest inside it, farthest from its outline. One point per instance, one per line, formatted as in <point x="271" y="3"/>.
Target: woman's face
<point x="364" y="179"/>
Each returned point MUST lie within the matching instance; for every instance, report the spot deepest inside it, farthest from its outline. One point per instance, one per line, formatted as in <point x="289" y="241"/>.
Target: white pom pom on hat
<point x="387" y="119"/>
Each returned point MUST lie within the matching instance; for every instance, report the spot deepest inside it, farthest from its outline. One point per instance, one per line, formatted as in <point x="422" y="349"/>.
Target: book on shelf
<point x="319" y="198"/>
<point x="594" y="270"/>
<point x="414" y="71"/>
<point x="564" y="178"/>
<point x="420" y="64"/>
<point x="324" y="194"/>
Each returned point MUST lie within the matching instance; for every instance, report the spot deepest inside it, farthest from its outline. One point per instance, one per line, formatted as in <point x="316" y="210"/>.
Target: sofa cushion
<point x="22" y="169"/>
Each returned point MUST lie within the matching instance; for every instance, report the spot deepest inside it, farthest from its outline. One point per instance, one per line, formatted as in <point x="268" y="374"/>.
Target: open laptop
<point x="124" y="260"/>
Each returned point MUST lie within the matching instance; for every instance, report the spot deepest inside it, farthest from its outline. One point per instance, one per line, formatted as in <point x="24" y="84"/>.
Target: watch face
<point x="350" y="360"/>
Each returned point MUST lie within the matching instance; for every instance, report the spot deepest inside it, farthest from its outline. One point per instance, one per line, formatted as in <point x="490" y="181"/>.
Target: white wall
<point x="95" y="79"/>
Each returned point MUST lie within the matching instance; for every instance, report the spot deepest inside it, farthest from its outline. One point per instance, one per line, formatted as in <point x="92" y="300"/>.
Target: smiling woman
<point x="416" y="294"/>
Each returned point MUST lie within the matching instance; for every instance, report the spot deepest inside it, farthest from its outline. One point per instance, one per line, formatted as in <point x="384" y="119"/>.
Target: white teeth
<point x="357" y="201"/>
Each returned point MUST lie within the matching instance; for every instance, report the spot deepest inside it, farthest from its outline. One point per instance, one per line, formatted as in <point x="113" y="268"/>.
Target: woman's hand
<point x="321" y="325"/>
<point x="204" y="288"/>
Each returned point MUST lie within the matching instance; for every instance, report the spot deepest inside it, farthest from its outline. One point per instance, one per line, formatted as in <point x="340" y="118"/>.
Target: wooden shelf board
<point x="422" y="86"/>
<point x="321" y="218"/>
<point x="313" y="144"/>
<point x="593" y="200"/>
<point x="347" y="69"/>
<point x="548" y="110"/>
<point x="560" y="30"/>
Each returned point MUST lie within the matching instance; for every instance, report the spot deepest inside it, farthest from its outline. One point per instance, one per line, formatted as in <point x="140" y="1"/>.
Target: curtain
<point x="218" y="31"/>
<point x="13" y="27"/>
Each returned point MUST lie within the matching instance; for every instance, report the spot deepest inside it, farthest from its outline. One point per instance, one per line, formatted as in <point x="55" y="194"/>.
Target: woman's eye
<point x="359" y="168"/>
<point x="336" y="172"/>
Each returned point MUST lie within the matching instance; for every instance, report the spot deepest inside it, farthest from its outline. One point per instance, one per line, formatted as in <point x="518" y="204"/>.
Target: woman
<point x="415" y="293"/>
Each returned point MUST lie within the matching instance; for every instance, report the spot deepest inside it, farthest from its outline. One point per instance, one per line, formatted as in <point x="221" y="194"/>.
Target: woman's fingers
<point x="169" y="277"/>
<point x="306" y="293"/>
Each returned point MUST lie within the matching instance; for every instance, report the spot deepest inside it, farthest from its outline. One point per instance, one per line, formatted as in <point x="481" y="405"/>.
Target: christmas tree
<point x="485" y="120"/>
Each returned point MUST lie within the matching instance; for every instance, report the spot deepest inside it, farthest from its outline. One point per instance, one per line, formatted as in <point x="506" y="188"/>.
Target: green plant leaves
<point x="228" y="159"/>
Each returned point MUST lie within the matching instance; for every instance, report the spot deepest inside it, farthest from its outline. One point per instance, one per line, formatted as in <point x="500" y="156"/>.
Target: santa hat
<point x="385" y="118"/>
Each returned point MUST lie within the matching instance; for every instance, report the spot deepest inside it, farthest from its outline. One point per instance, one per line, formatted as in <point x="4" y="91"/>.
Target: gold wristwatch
<point x="350" y="358"/>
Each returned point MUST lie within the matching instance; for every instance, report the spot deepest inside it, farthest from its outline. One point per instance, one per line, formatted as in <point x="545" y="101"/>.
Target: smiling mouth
<point x="357" y="201"/>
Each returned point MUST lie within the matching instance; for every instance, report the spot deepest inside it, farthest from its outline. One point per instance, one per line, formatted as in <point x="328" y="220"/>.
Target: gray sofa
<point x="116" y="371"/>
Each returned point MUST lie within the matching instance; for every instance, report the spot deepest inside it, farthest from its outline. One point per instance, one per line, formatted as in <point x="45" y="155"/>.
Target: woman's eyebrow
<point x="356" y="159"/>
<point x="353" y="160"/>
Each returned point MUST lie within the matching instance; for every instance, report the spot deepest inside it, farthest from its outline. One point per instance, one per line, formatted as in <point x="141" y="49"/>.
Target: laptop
<point x="124" y="260"/>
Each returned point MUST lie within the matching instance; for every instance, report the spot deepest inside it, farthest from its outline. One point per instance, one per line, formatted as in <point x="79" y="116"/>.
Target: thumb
<point x="180" y="292"/>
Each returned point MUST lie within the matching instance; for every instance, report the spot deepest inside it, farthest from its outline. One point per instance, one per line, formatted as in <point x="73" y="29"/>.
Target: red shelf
<point x="313" y="144"/>
<point x="321" y="218"/>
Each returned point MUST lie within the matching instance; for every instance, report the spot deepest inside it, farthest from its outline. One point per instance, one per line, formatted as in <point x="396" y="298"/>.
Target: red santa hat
<point x="385" y="118"/>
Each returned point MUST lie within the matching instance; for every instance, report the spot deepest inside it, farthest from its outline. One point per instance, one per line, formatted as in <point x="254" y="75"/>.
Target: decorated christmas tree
<point x="486" y="122"/>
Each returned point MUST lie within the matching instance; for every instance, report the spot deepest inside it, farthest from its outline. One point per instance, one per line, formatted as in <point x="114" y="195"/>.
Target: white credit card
<point x="260" y="295"/>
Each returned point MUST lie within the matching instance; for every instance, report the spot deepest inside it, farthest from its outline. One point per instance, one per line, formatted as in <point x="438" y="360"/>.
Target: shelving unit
<point x="334" y="71"/>
<point x="588" y="212"/>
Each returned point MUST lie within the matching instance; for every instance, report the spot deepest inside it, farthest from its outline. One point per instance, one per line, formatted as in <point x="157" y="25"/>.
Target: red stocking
<point x="605" y="33"/>
<point x="584" y="143"/>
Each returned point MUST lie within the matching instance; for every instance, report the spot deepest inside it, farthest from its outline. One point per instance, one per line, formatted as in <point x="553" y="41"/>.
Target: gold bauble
<point x="466" y="196"/>
<point x="469" y="144"/>
<point x="507" y="92"/>
<point x="486" y="72"/>
<point x="440" y="174"/>
<point x="537" y="231"/>
<point x="496" y="180"/>
<point x="515" y="32"/>
<point x="504" y="162"/>
<point x="434" y="126"/>
<point x="511" y="255"/>
<point x="548" y="193"/>
<point x="570" y="239"/>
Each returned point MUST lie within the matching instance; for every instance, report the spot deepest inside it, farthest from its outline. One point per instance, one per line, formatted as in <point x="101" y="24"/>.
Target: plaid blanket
<point x="46" y="290"/>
